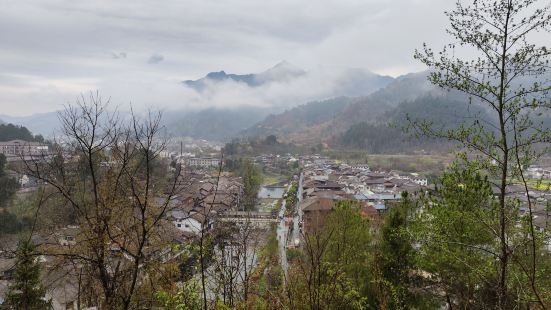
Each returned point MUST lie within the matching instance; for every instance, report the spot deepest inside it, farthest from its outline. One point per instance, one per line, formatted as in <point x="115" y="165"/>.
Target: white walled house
<point x="420" y="180"/>
<point x="191" y="222"/>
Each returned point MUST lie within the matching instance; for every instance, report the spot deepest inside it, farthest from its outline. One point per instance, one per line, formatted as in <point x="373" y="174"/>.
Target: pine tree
<point x="26" y="292"/>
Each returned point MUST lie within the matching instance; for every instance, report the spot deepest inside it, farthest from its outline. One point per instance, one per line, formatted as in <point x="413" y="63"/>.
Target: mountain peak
<point x="280" y="72"/>
<point x="216" y="75"/>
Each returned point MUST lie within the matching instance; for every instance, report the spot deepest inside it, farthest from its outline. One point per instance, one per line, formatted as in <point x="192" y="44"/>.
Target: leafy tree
<point x="395" y="259"/>
<point x="547" y="212"/>
<point x="457" y="247"/>
<point x="187" y="298"/>
<point x="252" y="179"/>
<point x="454" y="229"/>
<point x="3" y="162"/>
<point x="26" y="291"/>
<point x="231" y="148"/>
<point x="333" y="272"/>
<point x="291" y="198"/>
<point x="350" y="246"/>
<point x="508" y="77"/>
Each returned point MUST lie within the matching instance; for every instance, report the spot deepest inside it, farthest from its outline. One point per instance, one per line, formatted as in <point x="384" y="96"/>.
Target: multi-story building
<point x="204" y="162"/>
<point x="17" y="148"/>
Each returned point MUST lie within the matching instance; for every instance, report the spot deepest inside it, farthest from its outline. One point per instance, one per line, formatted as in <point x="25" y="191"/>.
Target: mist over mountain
<point x="376" y="122"/>
<point x="273" y="102"/>
<point x="318" y="83"/>
<point x="281" y="72"/>
<point x="364" y="100"/>
<point x="237" y="101"/>
<point x="372" y="122"/>
<point x="230" y="103"/>
<point x="216" y="124"/>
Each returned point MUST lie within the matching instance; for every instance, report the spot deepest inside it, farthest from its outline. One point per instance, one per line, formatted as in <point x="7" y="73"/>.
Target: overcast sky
<point x="138" y="51"/>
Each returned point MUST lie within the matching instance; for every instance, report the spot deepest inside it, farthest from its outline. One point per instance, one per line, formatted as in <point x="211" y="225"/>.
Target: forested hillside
<point x="300" y="118"/>
<point x="391" y="134"/>
<point x="12" y="132"/>
<point x="376" y="123"/>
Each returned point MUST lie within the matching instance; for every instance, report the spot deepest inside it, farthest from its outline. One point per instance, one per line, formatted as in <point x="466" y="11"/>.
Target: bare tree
<point x="234" y="260"/>
<point x="226" y="252"/>
<point x="105" y="169"/>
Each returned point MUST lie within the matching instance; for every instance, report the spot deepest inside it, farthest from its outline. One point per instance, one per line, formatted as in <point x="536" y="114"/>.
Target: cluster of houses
<point x="283" y="164"/>
<point x="272" y="161"/>
<point x="540" y="199"/>
<point x="325" y="182"/>
<point x="200" y="199"/>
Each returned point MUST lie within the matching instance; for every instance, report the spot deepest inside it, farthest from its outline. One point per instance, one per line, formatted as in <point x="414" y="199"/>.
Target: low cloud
<point x="317" y="84"/>
<point x="155" y="59"/>
<point x="120" y="55"/>
<point x="53" y="50"/>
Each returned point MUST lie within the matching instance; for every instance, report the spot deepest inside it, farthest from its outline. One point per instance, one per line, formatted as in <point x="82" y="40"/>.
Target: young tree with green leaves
<point x="457" y="248"/>
<point x="26" y="291"/>
<point x="188" y="297"/>
<point x="333" y="270"/>
<point x="458" y="252"/>
<point x="507" y="75"/>
<point x="394" y="259"/>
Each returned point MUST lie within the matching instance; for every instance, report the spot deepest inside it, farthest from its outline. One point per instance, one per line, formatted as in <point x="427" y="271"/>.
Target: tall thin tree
<point x="508" y="75"/>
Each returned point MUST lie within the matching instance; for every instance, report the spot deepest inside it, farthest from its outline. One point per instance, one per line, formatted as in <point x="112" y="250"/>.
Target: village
<point x="209" y="201"/>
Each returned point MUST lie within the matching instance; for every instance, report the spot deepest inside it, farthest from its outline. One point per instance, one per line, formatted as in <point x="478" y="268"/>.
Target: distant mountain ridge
<point x="348" y="81"/>
<point x="225" y="123"/>
<point x="377" y="109"/>
<point x="280" y="72"/>
<point x="273" y="91"/>
<point x="300" y="118"/>
<point x="41" y="123"/>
